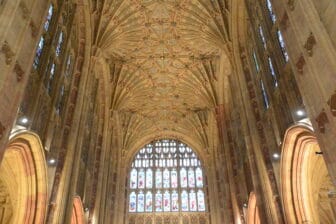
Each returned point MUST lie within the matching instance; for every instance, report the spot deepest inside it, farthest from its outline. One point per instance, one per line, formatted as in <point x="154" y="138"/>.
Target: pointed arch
<point x="23" y="172"/>
<point x="304" y="179"/>
<point x="252" y="210"/>
<point x="77" y="211"/>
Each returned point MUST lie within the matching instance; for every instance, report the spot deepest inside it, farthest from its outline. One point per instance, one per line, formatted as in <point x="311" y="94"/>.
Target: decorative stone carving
<point x="300" y="64"/>
<point x="291" y="4"/>
<point x="19" y="72"/>
<point x="321" y="120"/>
<point x="284" y="21"/>
<point x="310" y="44"/>
<point x="24" y="9"/>
<point x="8" y="52"/>
<point x="33" y="28"/>
<point x="332" y="104"/>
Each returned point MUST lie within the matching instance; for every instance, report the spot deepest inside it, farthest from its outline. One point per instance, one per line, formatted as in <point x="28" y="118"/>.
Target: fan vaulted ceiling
<point x="162" y="58"/>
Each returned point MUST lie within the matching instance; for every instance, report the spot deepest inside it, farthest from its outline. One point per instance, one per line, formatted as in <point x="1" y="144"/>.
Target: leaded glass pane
<point x="166" y="202"/>
<point x="270" y="10"/>
<point x="199" y="177"/>
<point x="166" y="178"/>
<point x="184" y="201"/>
<point x="191" y="178"/>
<point x="158" y="202"/>
<point x="282" y="45"/>
<point x="141" y="179"/>
<point x="141" y="202"/>
<point x="200" y="200"/>
<point x="132" y="203"/>
<point x="192" y="201"/>
<point x="149" y="202"/>
<point x="175" y="203"/>
<point x="149" y="178"/>
<point x="133" y="182"/>
<point x="173" y="179"/>
<point x="158" y="179"/>
<point x="183" y="176"/>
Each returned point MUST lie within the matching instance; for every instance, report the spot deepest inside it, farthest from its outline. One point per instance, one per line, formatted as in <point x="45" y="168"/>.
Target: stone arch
<point x="23" y="174"/>
<point x="252" y="210"/>
<point x="305" y="182"/>
<point x="77" y="211"/>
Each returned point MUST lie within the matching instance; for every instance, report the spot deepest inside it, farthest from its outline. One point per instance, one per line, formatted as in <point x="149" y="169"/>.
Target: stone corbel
<point x="33" y="28"/>
<point x="321" y="120"/>
<point x="24" y="9"/>
<point x="332" y="104"/>
<point x="19" y="72"/>
<point x="291" y="4"/>
<point x="284" y="21"/>
<point x="300" y="64"/>
<point x="309" y="45"/>
<point x="8" y="52"/>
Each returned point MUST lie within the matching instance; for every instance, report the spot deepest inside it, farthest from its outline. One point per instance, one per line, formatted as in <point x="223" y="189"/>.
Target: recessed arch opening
<point x="306" y="187"/>
<point x="23" y="177"/>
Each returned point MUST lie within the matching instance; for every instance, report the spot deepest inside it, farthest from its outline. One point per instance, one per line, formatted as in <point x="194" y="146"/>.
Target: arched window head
<point x="166" y="176"/>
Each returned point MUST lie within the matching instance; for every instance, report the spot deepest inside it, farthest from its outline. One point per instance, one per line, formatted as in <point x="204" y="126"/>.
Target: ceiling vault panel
<point x="162" y="58"/>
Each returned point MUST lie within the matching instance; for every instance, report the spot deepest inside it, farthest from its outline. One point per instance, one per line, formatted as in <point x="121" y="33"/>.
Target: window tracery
<point x="166" y="177"/>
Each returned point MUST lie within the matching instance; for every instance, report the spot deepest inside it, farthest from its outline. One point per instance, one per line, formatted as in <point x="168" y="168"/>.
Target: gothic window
<point x="49" y="17"/>
<point x="59" y="43"/>
<point x="270" y="10"/>
<point x="255" y="59"/>
<point x="262" y="36"/>
<point x="271" y="67"/>
<point x="51" y="77"/>
<point x="264" y="94"/>
<point x="282" y="45"/>
<point x="166" y="176"/>
<point x="38" y="52"/>
<point x="60" y="102"/>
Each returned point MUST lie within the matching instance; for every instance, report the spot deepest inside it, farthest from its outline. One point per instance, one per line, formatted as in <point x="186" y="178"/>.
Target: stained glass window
<point x="141" y="179"/>
<point x="270" y="10"/>
<point x="38" y="52"/>
<point x="132" y="203"/>
<point x="271" y="67"/>
<point x="262" y="36"/>
<point x="141" y="202"/>
<point x="59" y="44"/>
<point x="264" y="94"/>
<point x="166" y="202"/>
<point x="192" y="201"/>
<point x="149" y="178"/>
<point x="49" y="16"/>
<point x="51" y="77"/>
<point x="149" y="202"/>
<point x="168" y="175"/>
<point x="200" y="200"/>
<point x="282" y="45"/>
<point x="158" y="202"/>
<point x="199" y="177"/>
<point x="256" y="61"/>
<point x="133" y="182"/>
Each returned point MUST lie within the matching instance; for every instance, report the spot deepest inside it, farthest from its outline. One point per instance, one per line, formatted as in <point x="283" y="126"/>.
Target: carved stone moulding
<point x="309" y="45"/>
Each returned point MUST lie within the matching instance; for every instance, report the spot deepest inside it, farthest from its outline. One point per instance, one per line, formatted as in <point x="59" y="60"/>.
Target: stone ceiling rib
<point x="162" y="57"/>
